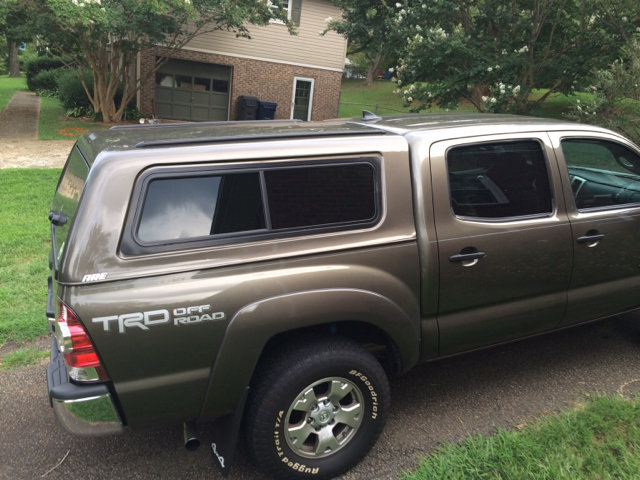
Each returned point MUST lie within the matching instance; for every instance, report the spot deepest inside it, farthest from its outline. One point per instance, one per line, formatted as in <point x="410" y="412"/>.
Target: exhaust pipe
<point x="191" y="440"/>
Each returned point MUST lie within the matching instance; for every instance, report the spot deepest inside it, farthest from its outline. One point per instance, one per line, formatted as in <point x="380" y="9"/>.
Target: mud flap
<point x="225" y="435"/>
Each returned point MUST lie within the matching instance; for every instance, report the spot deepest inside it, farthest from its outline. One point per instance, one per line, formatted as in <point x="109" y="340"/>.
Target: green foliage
<point x="493" y="54"/>
<point x="25" y="232"/>
<point x="106" y="36"/>
<point x="27" y="55"/>
<point x="598" y="441"/>
<point x="74" y="98"/>
<point x="38" y="65"/>
<point x="16" y="26"/>
<point x="370" y="28"/>
<point x="615" y="99"/>
<point x="22" y="357"/>
<point x="45" y="83"/>
<point x="71" y="92"/>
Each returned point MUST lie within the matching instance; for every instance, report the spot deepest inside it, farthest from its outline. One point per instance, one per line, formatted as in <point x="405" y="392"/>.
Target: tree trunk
<point x="477" y="92"/>
<point x="373" y="68"/>
<point x="14" y="64"/>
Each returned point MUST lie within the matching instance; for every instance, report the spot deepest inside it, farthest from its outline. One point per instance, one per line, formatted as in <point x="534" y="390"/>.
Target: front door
<point x="603" y="197"/>
<point x="302" y="101"/>
<point x="504" y="241"/>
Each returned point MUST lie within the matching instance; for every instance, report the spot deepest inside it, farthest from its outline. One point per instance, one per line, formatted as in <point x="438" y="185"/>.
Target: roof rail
<point x="250" y="138"/>
<point x="205" y="124"/>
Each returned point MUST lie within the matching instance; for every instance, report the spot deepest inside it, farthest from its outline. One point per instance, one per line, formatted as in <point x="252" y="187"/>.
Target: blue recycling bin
<point x="267" y="110"/>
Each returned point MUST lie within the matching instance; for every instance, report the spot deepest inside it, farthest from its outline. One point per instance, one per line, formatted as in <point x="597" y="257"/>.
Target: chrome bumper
<point x="81" y="409"/>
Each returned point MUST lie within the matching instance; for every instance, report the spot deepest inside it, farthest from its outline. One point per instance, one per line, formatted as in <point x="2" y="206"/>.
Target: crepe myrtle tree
<point x="370" y="29"/>
<point x="105" y="36"/>
<point x="493" y="53"/>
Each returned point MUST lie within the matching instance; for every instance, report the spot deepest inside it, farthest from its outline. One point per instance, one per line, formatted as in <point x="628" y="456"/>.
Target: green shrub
<point x="74" y="98"/>
<point x="45" y="83"/>
<point x="71" y="92"/>
<point x="40" y="64"/>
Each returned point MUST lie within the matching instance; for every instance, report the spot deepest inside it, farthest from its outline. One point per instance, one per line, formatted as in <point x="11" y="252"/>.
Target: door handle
<point x="591" y="239"/>
<point x="467" y="259"/>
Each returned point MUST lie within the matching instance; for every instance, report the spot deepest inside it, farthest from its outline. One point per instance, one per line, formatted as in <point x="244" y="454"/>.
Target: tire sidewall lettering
<point x="368" y="388"/>
<point x="291" y="460"/>
<point x="278" y="442"/>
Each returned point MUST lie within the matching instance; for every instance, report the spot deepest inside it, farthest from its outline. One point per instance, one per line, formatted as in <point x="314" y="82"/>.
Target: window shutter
<point x="296" y="9"/>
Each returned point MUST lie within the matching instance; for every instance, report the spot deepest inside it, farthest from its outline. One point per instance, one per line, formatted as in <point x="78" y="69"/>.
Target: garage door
<point x="192" y="91"/>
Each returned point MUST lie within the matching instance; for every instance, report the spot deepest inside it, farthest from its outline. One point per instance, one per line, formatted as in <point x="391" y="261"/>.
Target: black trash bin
<point x="248" y="107"/>
<point x="267" y="111"/>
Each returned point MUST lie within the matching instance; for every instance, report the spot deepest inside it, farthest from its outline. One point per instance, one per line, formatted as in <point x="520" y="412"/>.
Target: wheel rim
<point x="324" y="417"/>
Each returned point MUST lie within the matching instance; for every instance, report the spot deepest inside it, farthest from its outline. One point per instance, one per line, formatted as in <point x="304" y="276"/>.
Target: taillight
<point x="77" y="349"/>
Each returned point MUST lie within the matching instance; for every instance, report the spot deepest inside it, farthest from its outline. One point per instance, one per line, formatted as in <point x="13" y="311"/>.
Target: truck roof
<point x="133" y="137"/>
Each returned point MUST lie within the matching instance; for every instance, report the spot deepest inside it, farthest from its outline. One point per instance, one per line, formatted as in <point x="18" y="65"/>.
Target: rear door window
<point x="499" y="180"/>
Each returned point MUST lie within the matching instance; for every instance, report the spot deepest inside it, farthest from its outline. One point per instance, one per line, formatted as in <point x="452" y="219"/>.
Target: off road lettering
<point x="145" y="320"/>
<point x="141" y="320"/>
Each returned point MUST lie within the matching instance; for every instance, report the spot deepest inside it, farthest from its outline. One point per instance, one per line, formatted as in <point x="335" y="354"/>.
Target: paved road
<point x="443" y="401"/>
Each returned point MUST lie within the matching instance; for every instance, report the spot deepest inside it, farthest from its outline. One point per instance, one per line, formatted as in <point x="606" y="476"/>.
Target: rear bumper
<point x="81" y="409"/>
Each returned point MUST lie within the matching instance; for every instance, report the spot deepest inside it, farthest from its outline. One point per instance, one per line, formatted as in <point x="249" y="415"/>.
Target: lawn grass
<point x="25" y="196"/>
<point x="600" y="440"/>
<point x="355" y="96"/>
<point x="55" y="126"/>
<point x="557" y="105"/>
<point x="379" y="98"/>
<point x="9" y="86"/>
<point x="24" y="356"/>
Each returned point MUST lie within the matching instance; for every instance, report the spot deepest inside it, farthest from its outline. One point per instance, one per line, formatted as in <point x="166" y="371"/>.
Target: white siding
<point x="273" y="42"/>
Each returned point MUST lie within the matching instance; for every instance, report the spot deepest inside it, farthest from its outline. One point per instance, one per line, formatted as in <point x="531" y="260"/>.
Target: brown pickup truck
<point x="268" y="277"/>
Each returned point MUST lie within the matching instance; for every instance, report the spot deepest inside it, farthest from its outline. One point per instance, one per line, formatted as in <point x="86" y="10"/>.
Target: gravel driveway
<point x="442" y="401"/>
<point x="34" y="153"/>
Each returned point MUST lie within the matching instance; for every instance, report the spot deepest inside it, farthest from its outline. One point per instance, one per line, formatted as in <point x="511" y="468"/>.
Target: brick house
<point x="205" y="79"/>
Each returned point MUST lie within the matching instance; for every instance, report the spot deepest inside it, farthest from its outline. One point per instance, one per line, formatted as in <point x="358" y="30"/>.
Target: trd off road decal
<point x="146" y="320"/>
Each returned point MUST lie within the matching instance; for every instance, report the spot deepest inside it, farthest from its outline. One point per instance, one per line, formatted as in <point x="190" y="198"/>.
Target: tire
<point x="316" y="408"/>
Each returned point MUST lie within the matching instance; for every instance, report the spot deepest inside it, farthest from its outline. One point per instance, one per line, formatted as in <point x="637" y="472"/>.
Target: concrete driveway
<point x="444" y="401"/>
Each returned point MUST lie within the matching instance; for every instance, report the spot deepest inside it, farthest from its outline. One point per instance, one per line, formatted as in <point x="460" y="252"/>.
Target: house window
<point x="284" y="4"/>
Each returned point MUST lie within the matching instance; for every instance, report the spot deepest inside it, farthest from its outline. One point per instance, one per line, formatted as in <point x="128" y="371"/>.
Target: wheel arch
<point x="370" y="319"/>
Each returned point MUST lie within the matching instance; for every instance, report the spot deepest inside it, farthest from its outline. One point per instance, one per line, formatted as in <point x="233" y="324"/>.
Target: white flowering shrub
<point x="492" y="53"/>
<point x="613" y="92"/>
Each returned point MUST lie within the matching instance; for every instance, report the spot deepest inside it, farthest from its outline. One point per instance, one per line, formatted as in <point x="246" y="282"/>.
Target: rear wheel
<point x="316" y="409"/>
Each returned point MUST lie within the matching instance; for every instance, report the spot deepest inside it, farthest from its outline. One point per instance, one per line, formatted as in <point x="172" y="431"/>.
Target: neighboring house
<point x="204" y="80"/>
